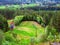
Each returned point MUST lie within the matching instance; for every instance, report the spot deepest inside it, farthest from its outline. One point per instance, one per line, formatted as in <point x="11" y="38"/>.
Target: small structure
<point x="11" y="25"/>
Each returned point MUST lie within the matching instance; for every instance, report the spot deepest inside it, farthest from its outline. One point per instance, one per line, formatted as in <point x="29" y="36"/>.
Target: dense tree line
<point x="56" y="21"/>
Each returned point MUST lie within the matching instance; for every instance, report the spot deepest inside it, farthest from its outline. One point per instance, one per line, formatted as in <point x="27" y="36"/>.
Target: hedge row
<point x="19" y="19"/>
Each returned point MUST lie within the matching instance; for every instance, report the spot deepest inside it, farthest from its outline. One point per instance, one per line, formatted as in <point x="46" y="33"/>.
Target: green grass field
<point x="26" y="30"/>
<point x="29" y="28"/>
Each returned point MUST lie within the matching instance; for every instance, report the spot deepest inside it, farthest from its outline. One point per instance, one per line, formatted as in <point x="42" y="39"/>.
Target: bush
<point x="1" y="37"/>
<point x="3" y="24"/>
<point x="33" y="18"/>
<point x="18" y="20"/>
<point x="28" y="18"/>
<point x="50" y="37"/>
<point x="39" y="19"/>
<point x="51" y="32"/>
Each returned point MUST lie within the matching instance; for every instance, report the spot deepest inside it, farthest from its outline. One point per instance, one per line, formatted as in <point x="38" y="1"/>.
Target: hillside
<point x="28" y="29"/>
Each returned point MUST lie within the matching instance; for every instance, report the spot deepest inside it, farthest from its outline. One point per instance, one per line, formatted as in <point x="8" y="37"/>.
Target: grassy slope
<point x="26" y="30"/>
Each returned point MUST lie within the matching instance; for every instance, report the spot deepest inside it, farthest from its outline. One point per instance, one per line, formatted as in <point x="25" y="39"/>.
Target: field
<point x="18" y="6"/>
<point x="27" y="30"/>
<point x="30" y="28"/>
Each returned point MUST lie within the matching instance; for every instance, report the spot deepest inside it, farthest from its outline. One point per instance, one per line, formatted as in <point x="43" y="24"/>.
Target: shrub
<point x="39" y="19"/>
<point x="3" y="23"/>
<point x="18" y="20"/>
<point x="50" y="37"/>
<point x="1" y="37"/>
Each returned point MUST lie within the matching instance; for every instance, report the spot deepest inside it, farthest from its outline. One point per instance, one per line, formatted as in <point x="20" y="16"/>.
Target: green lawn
<point x="2" y="7"/>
